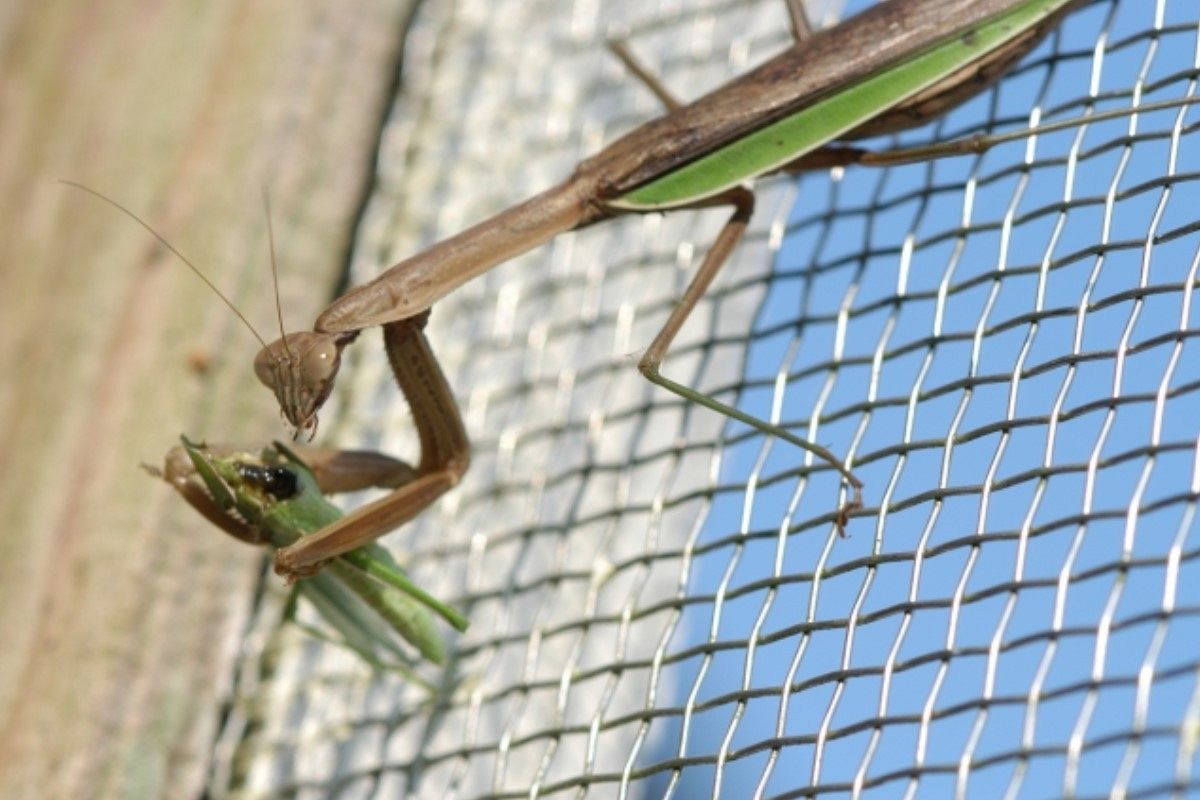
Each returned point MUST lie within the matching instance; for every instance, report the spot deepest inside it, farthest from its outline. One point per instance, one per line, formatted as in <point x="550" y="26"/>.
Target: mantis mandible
<point x="892" y="67"/>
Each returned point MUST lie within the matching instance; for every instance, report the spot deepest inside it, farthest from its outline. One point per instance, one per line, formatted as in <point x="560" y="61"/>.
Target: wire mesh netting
<point x="1003" y="346"/>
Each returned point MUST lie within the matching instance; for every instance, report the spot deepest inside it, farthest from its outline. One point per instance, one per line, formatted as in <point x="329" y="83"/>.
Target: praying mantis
<point x="892" y="67"/>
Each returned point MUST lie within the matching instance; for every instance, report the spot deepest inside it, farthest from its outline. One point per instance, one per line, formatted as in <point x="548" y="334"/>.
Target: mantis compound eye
<point x="269" y="364"/>
<point x="319" y="363"/>
<point x="300" y="369"/>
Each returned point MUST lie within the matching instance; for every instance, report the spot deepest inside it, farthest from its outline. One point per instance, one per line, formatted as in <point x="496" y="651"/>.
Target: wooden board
<point x="120" y="609"/>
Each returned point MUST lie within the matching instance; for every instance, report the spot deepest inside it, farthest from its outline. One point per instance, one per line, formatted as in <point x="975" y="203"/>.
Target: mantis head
<point x="300" y="369"/>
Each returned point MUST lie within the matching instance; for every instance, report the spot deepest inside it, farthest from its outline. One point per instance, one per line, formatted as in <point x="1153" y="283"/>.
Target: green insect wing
<point x="808" y="129"/>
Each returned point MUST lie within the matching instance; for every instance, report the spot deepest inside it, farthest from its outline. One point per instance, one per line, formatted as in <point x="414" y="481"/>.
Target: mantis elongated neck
<point x="414" y="284"/>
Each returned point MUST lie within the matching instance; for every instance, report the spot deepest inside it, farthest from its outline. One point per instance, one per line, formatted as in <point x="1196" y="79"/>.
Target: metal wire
<point x="1003" y="346"/>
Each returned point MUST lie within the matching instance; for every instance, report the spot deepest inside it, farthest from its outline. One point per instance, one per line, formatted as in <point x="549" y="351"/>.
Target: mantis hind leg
<point x="445" y="454"/>
<point x="742" y="201"/>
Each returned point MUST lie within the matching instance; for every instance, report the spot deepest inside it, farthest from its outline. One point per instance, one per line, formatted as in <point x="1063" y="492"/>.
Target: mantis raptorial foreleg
<point x="445" y="454"/>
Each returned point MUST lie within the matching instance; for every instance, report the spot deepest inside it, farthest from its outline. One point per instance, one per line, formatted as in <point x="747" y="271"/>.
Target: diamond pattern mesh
<point x="1003" y="346"/>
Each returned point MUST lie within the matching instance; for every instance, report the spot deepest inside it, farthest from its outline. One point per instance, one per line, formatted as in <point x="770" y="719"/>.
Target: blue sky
<point x="958" y="302"/>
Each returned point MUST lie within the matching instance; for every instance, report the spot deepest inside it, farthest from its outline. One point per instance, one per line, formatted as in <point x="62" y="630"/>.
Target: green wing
<point x="787" y="139"/>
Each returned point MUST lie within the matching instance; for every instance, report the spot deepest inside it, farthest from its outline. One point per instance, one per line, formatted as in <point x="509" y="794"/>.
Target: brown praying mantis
<point x="892" y="67"/>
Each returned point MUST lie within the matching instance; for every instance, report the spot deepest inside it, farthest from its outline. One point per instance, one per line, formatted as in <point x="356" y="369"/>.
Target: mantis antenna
<point x="184" y="259"/>
<point x="275" y="272"/>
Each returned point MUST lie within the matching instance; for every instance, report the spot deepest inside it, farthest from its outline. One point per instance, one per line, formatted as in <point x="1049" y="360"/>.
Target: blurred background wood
<point x="120" y="609"/>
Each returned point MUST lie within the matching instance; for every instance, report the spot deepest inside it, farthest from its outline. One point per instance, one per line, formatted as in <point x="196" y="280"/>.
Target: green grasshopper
<point x="273" y="499"/>
<point x="891" y="67"/>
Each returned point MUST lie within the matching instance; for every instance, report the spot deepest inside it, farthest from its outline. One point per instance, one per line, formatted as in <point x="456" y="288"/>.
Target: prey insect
<point x="273" y="498"/>
<point x="891" y="67"/>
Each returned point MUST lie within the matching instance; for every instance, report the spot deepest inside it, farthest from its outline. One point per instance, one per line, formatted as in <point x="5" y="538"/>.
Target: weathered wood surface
<point x="120" y="609"/>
